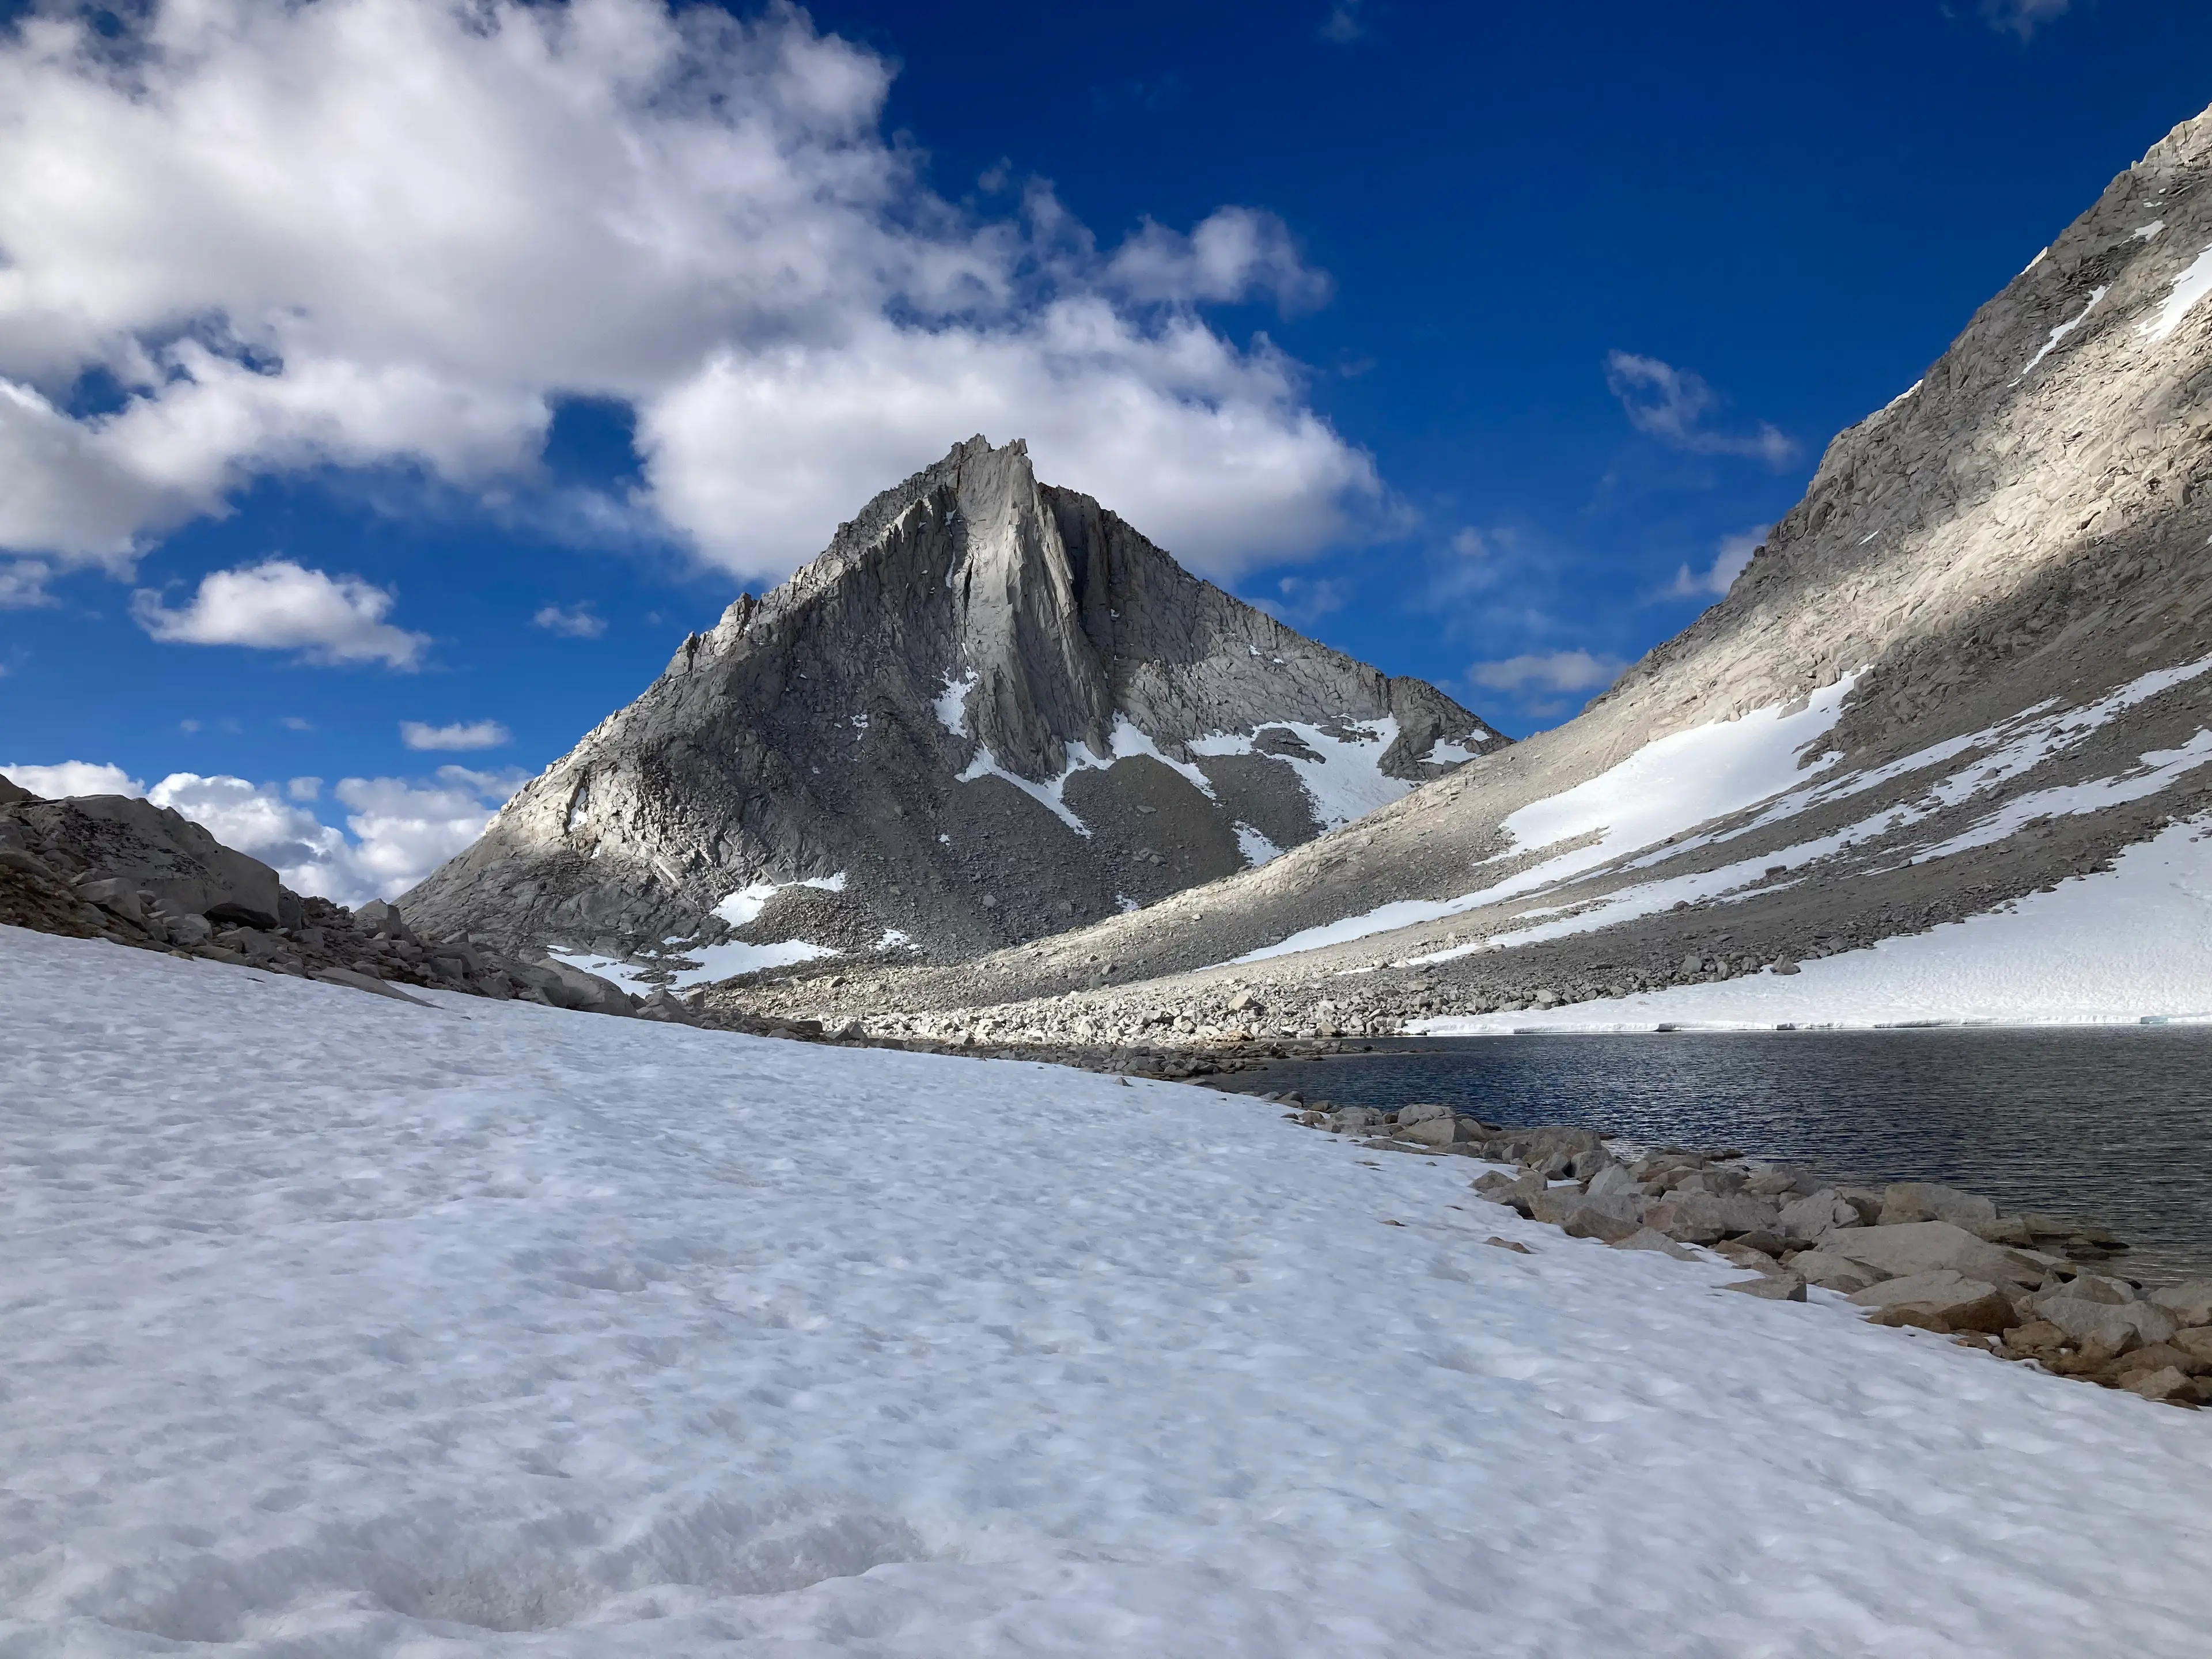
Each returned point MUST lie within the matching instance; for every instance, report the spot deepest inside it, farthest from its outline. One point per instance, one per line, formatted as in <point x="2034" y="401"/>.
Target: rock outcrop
<point x="114" y="867"/>
<point x="991" y="710"/>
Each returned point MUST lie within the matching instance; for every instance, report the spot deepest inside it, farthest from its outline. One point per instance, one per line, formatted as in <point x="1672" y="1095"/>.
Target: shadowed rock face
<point x="992" y="708"/>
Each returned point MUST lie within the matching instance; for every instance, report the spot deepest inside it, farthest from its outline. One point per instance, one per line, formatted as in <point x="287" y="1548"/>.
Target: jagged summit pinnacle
<point x="989" y="709"/>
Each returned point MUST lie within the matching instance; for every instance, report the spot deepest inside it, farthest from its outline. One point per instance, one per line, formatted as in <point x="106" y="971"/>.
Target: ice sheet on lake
<point x="344" y="1326"/>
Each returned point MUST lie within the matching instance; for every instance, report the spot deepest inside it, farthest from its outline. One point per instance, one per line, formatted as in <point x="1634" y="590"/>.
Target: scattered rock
<point x="1509" y="1244"/>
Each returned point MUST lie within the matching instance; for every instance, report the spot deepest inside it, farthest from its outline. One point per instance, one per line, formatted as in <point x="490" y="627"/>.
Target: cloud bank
<point x="243" y="240"/>
<point x="1548" y="672"/>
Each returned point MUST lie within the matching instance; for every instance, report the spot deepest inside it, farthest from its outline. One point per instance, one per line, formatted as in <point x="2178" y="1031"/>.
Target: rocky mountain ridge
<point x="990" y="710"/>
<point x="1970" y="665"/>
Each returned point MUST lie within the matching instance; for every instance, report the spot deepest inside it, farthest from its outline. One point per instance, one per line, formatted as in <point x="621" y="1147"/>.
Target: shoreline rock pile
<point x="2027" y="1287"/>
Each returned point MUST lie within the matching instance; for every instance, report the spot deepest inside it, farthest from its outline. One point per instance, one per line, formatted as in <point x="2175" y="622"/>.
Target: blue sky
<point x="386" y="401"/>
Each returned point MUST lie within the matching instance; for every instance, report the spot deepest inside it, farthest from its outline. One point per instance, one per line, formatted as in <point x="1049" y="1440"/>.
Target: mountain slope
<point x="989" y="710"/>
<point x="1971" y="663"/>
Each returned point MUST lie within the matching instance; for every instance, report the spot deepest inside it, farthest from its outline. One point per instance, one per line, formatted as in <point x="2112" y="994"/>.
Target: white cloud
<point x="1552" y="672"/>
<point x="277" y="605"/>
<point x="367" y="233"/>
<point x="396" y="831"/>
<point x="1671" y="404"/>
<point x="2022" y="17"/>
<point x="1233" y="254"/>
<point x="1729" y="559"/>
<point x="1469" y="543"/>
<point x="475" y="734"/>
<point x="73" y="778"/>
<point x="576" y="623"/>
<point x="23" y="585"/>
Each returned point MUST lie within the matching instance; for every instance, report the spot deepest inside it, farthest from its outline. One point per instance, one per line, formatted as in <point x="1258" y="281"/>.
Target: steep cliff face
<point x="991" y="709"/>
<point x="1974" y="660"/>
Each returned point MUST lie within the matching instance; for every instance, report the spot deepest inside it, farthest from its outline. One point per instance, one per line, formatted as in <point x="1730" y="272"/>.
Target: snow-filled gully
<point x="340" y="1326"/>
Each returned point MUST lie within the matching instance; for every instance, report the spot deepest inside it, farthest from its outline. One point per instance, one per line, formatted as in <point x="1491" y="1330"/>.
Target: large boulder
<point x="1940" y="1301"/>
<point x="1923" y="1246"/>
<point x="1707" y="1217"/>
<point x="2114" y="1328"/>
<point x="156" y="850"/>
<point x="1445" y="1131"/>
<point x="1816" y="1213"/>
<point x="565" y="986"/>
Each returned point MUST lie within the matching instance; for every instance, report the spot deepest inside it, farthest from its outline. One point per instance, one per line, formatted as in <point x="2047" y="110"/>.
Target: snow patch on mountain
<point x="2128" y="945"/>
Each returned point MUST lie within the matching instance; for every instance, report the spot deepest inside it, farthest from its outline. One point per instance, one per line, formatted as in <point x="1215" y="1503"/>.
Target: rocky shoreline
<point x="2031" y="1288"/>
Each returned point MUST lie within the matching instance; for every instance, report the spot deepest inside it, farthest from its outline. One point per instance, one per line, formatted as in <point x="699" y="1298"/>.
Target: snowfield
<point x="2130" y="943"/>
<point x="334" y="1326"/>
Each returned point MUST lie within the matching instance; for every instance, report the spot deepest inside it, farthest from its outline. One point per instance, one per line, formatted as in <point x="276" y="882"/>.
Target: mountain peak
<point x="989" y="709"/>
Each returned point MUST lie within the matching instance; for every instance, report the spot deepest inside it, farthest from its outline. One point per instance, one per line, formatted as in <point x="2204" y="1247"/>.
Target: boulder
<point x="1616" y="1179"/>
<point x="1832" y="1272"/>
<point x="1737" y="1254"/>
<point x="1814" y="1214"/>
<point x="1940" y="1301"/>
<point x="2113" y="1327"/>
<point x="2168" y="1386"/>
<point x="1352" y="1120"/>
<point x="1515" y="1191"/>
<point x="1919" y="1247"/>
<point x="1706" y="1218"/>
<point x="569" y="986"/>
<point x="1648" y="1238"/>
<point x="1445" y="1131"/>
<point x="1580" y="1216"/>
<point x="159" y="851"/>
<point x="2196" y="1341"/>
<point x="354" y="982"/>
<point x="1422" y="1113"/>
<point x="1922" y="1201"/>
<point x="2189" y="1301"/>
<point x="117" y="896"/>
<point x="2091" y="1287"/>
<point x="1783" y="1287"/>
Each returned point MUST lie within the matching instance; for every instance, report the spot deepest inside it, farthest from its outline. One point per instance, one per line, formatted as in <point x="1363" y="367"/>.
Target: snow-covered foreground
<point x="336" y="1326"/>
<point x="2130" y="944"/>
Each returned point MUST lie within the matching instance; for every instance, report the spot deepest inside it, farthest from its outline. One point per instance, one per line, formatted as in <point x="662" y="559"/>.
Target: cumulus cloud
<point x="473" y="734"/>
<point x="575" y="623"/>
<point x="280" y="606"/>
<point x="1672" y="405"/>
<point x="73" y="778"/>
<point x="1551" y="671"/>
<point x="398" y="233"/>
<point x="1235" y="253"/>
<point x="1729" y="559"/>
<point x="2022" y="18"/>
<point x="23" y="585"/>
<point x="397" y="830"/>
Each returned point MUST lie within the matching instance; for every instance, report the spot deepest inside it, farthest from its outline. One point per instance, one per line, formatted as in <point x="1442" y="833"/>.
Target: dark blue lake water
<point x="2108" y="1126"/>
